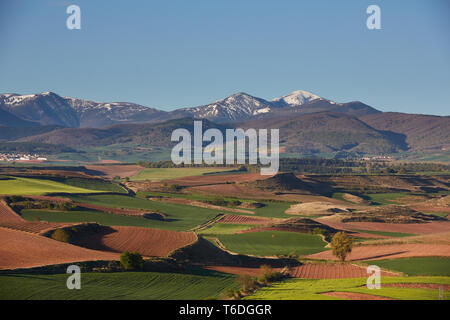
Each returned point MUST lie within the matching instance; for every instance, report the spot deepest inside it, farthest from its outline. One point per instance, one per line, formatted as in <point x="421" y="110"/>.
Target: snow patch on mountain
<point x="296" y="98"/>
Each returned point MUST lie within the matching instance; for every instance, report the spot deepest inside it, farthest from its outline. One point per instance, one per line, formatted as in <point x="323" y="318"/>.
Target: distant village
<point x="21" y="157"/>
<point x="378" y="158"/>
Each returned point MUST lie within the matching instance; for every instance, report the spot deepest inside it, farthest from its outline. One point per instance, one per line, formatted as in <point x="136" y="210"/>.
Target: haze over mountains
<point x="308" y="123"/>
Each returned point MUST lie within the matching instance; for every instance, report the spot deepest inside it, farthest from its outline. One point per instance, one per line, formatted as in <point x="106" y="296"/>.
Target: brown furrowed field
<point x="412" y="228"/>
<point x="36" y="227"/>
<point x="116" y="170"/>
<point x="237" y="219"/>
<point x="148" y="242"/>
<point x="7" y="214"/>
<point x="309" y="271"/>
<point x="25" y="250"/>
<point x="395" y="251"/>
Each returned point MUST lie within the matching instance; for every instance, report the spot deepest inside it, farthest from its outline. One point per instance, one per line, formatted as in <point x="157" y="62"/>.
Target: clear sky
<point x="177" y="53"/>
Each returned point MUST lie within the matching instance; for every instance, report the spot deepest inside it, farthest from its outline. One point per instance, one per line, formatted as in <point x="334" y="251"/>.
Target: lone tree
<point x="131" y="261"/>
<point x="342" y="245"/>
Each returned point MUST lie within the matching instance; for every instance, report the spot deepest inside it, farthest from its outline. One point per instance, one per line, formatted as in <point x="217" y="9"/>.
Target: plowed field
<point x="148" y="242"/>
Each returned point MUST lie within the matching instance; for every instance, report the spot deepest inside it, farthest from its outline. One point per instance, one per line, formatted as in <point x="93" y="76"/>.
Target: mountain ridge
<point x="49" y="108"/>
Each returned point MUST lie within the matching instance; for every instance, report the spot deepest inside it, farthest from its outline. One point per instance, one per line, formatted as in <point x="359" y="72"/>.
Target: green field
<point x="385" y="198"/>
<point x="173" y="173"/>
<point x="420" y="266"/>
<point x="117" y="286"/>
<point x="224" y="228"/>
<point x="305" y="289"/>
<point x="103" y="218"/>
<point x="179" y="217"/>
<point x="95" y="184"/>
<point x="271" y="243"/>
<point x="31" y="186"/>
<point x="271" y="209"/>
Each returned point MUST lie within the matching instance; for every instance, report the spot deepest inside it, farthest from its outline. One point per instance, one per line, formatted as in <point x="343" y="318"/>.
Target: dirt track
<point x="148" y="242"/>
<point x="395" y="251"/>
<point x="24" y="250"/>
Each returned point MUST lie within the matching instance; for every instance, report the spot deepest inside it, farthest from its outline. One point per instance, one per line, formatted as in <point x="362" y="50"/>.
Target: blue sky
<point x="176" y="53"/>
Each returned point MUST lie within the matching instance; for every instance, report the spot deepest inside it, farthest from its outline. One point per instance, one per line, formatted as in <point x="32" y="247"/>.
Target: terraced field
<point x="118" y="286"/>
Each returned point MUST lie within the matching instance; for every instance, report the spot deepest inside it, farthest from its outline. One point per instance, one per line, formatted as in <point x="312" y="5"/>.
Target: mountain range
<point x="308" y="123"/>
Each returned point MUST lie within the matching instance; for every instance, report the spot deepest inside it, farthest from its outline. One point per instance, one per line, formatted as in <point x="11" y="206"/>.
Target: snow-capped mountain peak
<point x="296" y="98"/>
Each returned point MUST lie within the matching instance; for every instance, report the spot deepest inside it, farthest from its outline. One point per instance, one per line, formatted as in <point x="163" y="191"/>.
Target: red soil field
<point x="380" y="252"/>
<point x="231" y="190"/>
<point x="354" y="296"/>
<point x="37" y="227"/>
<point x="413" y="228"/>
<point x="7" y="214"/>
<point x="237" y="219"/>
<point x="25" y="250"/>
<point x="309" y="271"/>
<point x="332" y="271"/>
<point x="217" y="179"/>
<point x="148" y="242"/>
<point x="117" y="170"/>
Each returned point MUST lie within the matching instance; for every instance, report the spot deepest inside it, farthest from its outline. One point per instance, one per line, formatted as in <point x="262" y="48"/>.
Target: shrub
<point x="341" y="245"/>
<point x="131" y="261"/>
<point x="247" y="283"/>
<point x="268" y="275"/>
<point x="235" y="202"/>
<point x="218" y="201"/>
<point x="61" y="235"/>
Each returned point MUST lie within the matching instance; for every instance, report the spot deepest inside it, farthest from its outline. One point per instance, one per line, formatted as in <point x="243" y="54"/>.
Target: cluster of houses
<point x="378" y="158"/>
<point x="21" y="157"/>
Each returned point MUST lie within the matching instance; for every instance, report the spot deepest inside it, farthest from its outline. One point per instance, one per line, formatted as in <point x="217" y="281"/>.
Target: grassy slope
<point x="172" y="173"/>
<point x="424" y="266"/>
<point x="273" y="243"/>
<point x="179" y="217"/>
<point x="117" y="286"/>
<point x="31" y="186"/>
<point x="302" y="289"/>
<point x="102" y="218"/>
<point x="94" y="184"/>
